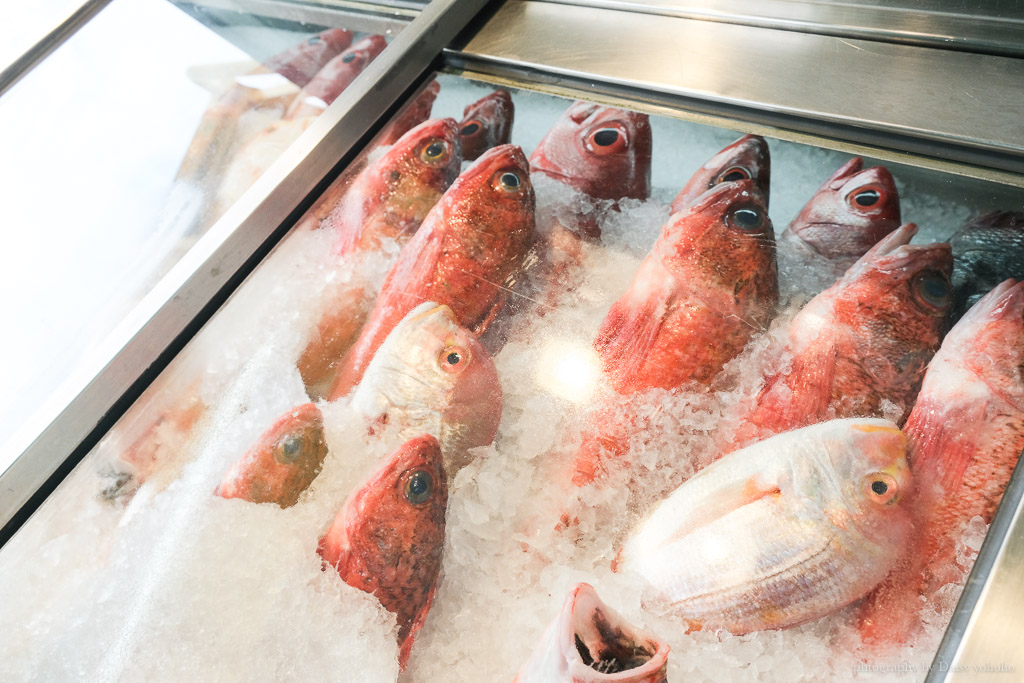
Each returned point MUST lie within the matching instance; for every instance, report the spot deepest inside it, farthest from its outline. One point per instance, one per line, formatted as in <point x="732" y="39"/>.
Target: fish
<point x="862" y="344"/>
<point x="471" y="248"/>
<point x="966" y="435"/>
<point x="850" y="213"/>
<point x="745" y="159"/>
<point x="432" y="376"/>
<point x="707" y="285"/>
<point x="332" y="79"/>
<point x="386" y="202"/>
<point x="415" y="112"/>
<point x="256" y="99"/>
<point x="783" y="532"/>
<point x="589" y="642"/>
<point x="283" y="463"/>
<point x="388" y="537"/>
<point x="486" y="123"/>
<point x="987" y="250"/>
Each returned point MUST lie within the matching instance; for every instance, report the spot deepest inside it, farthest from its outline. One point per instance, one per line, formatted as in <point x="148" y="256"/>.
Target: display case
<point x="551" y="424"/>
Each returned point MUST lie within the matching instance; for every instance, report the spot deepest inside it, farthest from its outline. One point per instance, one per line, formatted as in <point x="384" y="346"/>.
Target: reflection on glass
<point x="515" y="381"/>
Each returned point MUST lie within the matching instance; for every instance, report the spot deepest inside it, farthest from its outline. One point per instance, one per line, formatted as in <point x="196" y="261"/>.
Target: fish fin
<point x="405" y="647"/>
<point x="492" y="313"/>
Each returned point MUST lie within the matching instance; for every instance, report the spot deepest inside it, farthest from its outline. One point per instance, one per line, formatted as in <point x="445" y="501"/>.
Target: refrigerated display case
<point x="127" y="553"/>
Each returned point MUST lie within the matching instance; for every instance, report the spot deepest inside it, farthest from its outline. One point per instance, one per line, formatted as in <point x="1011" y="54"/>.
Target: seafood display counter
<point x="541" y="357"/>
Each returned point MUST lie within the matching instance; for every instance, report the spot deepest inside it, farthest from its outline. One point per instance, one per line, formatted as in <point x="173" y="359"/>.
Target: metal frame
<point x="52" y="442"/>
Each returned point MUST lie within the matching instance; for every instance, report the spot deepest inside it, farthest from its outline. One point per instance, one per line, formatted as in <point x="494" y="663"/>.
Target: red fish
<point x="300" y="63"/>
<point x="707" y="286"/>
<point x="415" y="113"/>
<point x="590" y="642"/>
<point x="334" y="77"/>
<point x="848" y="215"/>
<point x="966" y="435"/>
<point x="388" y="200"/>
<point x="746" y="159"/>
<point x="604" y="153"/>
<point x="469" y="250"/>
<point x="486" y="123"/>
<point x="388" y="538"/>
<point x="864" y="341"/>
<point x="283" y="463"/>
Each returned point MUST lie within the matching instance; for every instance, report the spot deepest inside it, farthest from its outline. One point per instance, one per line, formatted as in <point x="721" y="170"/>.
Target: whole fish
<point x="283" y="463"/>
<point x="863" y="343"/>
<point x="850" y="213"/>
<point x="232" y="119"/>
<point x="469" y="250"/>
<point x="604" y="153"/>
<point x="432" y="376"/>
<point x="388" y="537"/>
<point x="746" y="159"/>
<point x="590" y="642"/>
<point x="780" y="533"/>
<point x="707" y="285"/>
<point x="334" y="77"/>
<point x="387" y="201"/>
<point x="966" y="435"/>
<point x="415" y="112"/>
<point x="486" y="123"/>
<point x="986" y="251"/>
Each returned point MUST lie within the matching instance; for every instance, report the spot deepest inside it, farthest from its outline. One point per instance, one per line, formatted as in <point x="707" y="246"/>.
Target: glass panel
<point x="25" y="26"/>
<point x="117" y="160"/>
<point x="339" y="473"/>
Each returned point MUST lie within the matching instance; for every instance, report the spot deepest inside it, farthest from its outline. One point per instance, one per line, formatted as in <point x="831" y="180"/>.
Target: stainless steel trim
<point x="947" y="105"/>
<point x="988" y="30"/>
<point x="57" y="436"/>
<point x="983" y="637"/>
<point x="54" y="39"/>
<point x="373" y="17"/>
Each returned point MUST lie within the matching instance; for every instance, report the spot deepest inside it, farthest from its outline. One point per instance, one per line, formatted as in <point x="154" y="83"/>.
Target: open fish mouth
<point x="608" y="644"/>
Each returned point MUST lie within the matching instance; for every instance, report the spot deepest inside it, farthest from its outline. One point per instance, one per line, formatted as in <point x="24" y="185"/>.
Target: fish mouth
<point x="607" y="644"/>
<point x="844" y="173"/>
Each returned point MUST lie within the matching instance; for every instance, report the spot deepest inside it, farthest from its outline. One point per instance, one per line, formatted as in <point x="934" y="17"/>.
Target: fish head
<point x="362" y="53"/>
<point x="415" y="112"/>
<point x="746" y="159"/>
<point x="589" y="642"/>
<point x="869" y="460"/>
<point x="422" y="165"/>
<point x="300" y="63"/>
<point x="897" y="291"/>
<point x="986" y="251"/>
<point x="283" y="463"/>
<point x="388" y="537"/>
<point x="427" y="368"/>
<point x="486" y="123"/>
<point x="601" y="151"/>
<point x="850" y="212"/>
<point x="724" y="239"/>
<point x="989" y="341"/>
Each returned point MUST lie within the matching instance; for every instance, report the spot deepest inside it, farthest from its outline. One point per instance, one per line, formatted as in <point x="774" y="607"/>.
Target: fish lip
<point x="585" y="611"/>
<point x="844" y="173"/>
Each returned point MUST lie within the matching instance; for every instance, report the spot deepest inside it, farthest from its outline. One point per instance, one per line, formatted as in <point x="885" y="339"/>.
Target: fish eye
<point x="881" y="488"/>
<point x="933" y="291"/>
<point x="290" y="447"/>
<point x="507" y="181"/>
<point x="470" y="128"/>
<point x="748" y="219"/>
<point x="435" y="151"/>
<point x="418" y="487"/>
<point x="870" y="197"/>
<point x="607" y="141"/>
<point x="453" y="358"/>
<point x="731" y="174"/>
<point x="349" y="58"/>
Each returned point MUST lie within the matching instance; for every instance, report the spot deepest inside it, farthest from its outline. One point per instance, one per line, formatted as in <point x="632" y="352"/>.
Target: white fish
<point x="781" y="532"/>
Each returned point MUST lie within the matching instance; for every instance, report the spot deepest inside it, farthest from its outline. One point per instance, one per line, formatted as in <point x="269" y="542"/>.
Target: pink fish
<point x="486" y="123"/>
<point x="388" y="537"/>
<point x="334" y="77"/>
<point x="415" y="112"/>
<point x="283" y="463"/>
<point x="590" y="642"/>
<point x="966" y="435"/>
<point x="746" y="159"/>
